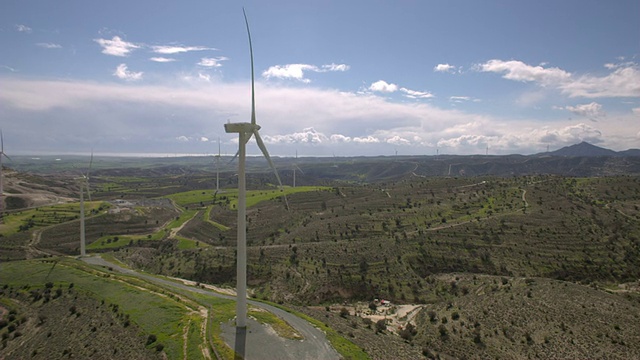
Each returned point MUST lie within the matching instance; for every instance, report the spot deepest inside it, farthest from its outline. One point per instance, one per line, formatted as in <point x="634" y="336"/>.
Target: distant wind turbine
<point x="2" y="154"/>
<point x="245" y="131"/>
<point x="295" y="166"/>
<point x="84" y="183"/>
<point x="218" y="168"/>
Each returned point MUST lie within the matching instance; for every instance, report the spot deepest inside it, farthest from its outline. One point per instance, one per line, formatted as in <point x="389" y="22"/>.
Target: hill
<point x="584" y="149"/>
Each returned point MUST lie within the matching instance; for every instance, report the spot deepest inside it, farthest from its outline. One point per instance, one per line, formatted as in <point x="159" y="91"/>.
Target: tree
<point x="381" y="325"/>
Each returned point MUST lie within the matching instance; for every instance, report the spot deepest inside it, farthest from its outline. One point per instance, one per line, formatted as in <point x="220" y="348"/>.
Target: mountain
<point x="587" y="150"/>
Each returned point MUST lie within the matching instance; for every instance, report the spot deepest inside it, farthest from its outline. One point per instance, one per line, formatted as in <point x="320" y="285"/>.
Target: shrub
<point x="381" y="325"/>
<point x="344" y="312"/>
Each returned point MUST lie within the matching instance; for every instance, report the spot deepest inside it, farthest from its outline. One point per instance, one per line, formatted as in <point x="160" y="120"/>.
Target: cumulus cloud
<point x="383" y="86"/>
<point x="444" y="68"/>
<point x="122" y="72"/>
<point x="366" y="140"/>
<point x="623" y="81"/>
<point x="116" y="46"/>
<point x="182" y="138"/>
<point x="162" y="59"/>
<point x="212" y="62"/>
<point x="519" y="71"/>
<point x="23" y="28"/>
<point x="397" y="140"/>
<point x="204" y="139"/>
<point x="592" y="111"/>
<point x="176" y="49"/>
<point x="150" y="117"/>
<point x="49" y="45"/>
<point x="571" y="134"/>
<point x="297" y="71"/>
<point x="306" y="136"/>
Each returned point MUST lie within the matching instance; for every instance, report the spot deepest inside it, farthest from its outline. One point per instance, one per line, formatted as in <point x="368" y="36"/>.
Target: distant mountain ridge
<point x="585" y="149"/>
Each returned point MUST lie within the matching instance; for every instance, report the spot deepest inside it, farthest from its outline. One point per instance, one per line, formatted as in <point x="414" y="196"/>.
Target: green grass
<point x="46" y="216"/>
<point x="207" y="218"/>
<point x="153" y="313"/>
<point x="187" y="244"/>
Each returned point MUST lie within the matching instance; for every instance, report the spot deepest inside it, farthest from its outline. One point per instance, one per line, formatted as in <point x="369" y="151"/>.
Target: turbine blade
<point x="266" y="155"/>
<point x="7" y="156"/>
<point x="1" y="142"/>
<point x="234" y="157"/>
<point x="253" y="92"/>
<point x="298" y="168"/>
<point x="87" y="186"/>
<point x="90" y="162"/>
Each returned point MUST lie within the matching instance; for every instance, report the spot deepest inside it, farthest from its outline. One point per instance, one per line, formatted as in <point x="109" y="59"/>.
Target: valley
<point x="498" y="257"/>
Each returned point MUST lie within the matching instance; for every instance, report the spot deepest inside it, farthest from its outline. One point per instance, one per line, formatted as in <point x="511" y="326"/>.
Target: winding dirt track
<point x="259" y="344"/>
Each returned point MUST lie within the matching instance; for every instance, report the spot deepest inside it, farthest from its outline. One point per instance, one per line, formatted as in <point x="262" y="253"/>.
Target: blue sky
<point x="332" y="77"/>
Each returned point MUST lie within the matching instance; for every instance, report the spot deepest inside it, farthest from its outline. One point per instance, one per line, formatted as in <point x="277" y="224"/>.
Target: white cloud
<point x="23" y="28"/>
<point x="444" y="68"/>
<point x="116" y="46"/>
<point x="335" y="67"/>
<point x="338" y="138"/>
<point x="49" y="45"/>
<point x="306" y="136"/>
<point x="571" y="134"/>
<point x="519" y="71"/>
<point x="149" y="116"/>
<point x="397" y="140"/>
<point x="212" y="62"/>
<point x="175" y="49"/>
<point x="636" y="111"/>
<point x="366" y="140"/>
<point x="289" y="71"/>
<point x="592" y="111"/>
<point x="162" y="59"/>
<point x="182" y="138"/>
<point x="413" y="94"/>
<point x="624" y="81"/>
<point x="204" y="139"/>
<point x="383" y="86"/>
<point x="296" y="71"/>
<point x="122" y="72"/>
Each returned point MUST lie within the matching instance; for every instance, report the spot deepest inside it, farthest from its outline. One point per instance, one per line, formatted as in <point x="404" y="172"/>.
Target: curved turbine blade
<point x="238" y="152"/>
<point x="87" y="186"/>
<point x="253" y="92"/>
<point x="266" y="155"/>
<point x="90" y="162"/>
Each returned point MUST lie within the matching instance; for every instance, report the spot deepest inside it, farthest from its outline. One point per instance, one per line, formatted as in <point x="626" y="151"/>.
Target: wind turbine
<point x="245" y="131"/>
<point x="218" y="168"/>
<point x="84" y="182"/>
<point x="1" y="189"/>
<point x="295" y="166"/>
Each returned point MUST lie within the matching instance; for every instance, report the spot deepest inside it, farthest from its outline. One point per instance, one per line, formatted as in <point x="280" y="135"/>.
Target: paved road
<point x="258" y="342"/>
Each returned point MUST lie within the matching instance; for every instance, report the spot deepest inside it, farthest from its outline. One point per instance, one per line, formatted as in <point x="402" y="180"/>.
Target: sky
<point x="332" y="78"/>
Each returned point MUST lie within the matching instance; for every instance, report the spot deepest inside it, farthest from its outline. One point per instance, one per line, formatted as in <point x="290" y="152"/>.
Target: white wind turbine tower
<point x="1" y="188"/>
<point x="218" y="168"/>
<point x="245" y="131"/>
<point x="295" y="166"/>
<point x="84" y="183"/>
